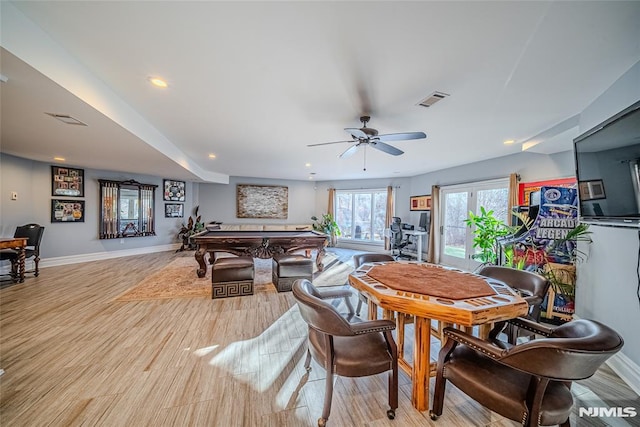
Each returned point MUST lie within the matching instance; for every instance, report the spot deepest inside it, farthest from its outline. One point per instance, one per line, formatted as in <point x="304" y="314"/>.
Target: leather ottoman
<point x="232" y="277"/>
<point x="286" y="269"/>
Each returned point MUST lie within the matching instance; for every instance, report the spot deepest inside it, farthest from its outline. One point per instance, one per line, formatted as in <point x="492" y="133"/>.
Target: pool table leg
<point x="319" y="258"/>
<point x="202" y="271"/>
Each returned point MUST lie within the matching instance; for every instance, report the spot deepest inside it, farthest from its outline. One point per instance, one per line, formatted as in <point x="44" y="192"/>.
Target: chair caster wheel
<point x="391" y="414"/>
<point x="322" y="422"/>
<point x="432" y="415"/>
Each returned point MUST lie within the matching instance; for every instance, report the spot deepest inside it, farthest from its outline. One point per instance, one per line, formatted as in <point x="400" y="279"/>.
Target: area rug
<point x="179" y="280"/>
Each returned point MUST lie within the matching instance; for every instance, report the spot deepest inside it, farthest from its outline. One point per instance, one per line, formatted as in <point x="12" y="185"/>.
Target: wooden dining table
<point x="427" y="292"/>
<point x="19" y="244"/>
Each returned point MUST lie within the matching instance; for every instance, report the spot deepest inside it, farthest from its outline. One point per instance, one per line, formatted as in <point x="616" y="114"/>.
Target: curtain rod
<point x="362" y="188"/>
<point x="476" y="182"/>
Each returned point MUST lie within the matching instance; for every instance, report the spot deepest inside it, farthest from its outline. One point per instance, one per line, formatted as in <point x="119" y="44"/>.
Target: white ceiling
<point x="255" y="83"/>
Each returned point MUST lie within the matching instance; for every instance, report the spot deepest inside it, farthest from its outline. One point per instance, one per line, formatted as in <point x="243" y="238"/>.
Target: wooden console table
<point x="19" y="244"/>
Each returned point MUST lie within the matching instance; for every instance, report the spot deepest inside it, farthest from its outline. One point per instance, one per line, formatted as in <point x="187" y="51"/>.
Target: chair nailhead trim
<point x="380" y="329"/>
<point x="473" y="346"/>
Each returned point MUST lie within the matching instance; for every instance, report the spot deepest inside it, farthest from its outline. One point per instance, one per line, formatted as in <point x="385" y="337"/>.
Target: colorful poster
<point x="526" y="188"/>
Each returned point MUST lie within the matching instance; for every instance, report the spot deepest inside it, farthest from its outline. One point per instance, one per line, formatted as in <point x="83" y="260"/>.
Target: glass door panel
<point x="457" y="238"/>
<point x="454" y="239"/>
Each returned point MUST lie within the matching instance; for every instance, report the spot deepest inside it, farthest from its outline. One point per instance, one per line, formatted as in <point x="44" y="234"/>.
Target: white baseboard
<point x="626" y="369"/>
<point x="96" y="256"/>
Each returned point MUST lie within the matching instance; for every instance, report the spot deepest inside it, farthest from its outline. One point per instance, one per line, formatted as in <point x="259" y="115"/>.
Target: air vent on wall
<point x="433" y="98"/>
<point x="67" y="119"/>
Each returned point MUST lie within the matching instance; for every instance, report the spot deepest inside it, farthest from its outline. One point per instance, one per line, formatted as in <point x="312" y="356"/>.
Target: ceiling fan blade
<point x="357" y="133"/>
<point x="349" y="151"/>
<point x="401" y="136"/>
<point x="328" y="143"/>
<point x="386" y="148"/>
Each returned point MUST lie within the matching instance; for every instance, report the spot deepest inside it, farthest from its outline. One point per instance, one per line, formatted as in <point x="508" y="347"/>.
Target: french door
<point x="456" y="248"/>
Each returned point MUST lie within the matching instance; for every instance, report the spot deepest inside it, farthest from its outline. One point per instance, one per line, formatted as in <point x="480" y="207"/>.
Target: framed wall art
<point x="591" y="190"/>
<point x="67" y="210"/>
<point x="420" y="203"/>
<point x="173" y="210"/>
<point x="174" y="191"/>
<point x="262" y="201"/>
<point x="67" y="182"/>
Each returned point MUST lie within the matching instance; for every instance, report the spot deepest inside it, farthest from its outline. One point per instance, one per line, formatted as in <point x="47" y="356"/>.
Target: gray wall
<point x="218" y="201"/>
<point x="530" y="167"/>
<point x="32" y="181"/>
<point x="607" y="281"/>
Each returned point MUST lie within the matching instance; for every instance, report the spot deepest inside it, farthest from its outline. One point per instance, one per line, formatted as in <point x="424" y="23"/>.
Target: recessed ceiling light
<point x="157" y="81"/>
<point x="66" y="119"/>
<point x="509" y="141"/>
<point x="308" y="165"/>
<point x="60" y="159"/>
<point x="212" y="156"/>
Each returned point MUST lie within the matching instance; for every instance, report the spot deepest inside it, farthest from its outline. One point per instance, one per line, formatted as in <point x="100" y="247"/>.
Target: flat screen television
<point x="607" y="160"/>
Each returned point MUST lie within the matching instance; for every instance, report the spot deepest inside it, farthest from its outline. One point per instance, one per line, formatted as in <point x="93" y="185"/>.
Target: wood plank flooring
<point x="74" y="357"/>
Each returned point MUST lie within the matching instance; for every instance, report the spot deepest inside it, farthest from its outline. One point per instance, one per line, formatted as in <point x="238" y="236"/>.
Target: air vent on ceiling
<point x="433" y="98"/>
<point x="67" y="119"/>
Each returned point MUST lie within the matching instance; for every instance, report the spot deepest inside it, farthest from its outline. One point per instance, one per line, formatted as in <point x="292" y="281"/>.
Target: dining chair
<point x="33" y="234"/>
<point x="530" y="382"/>
<point x="531" y="286"/>
<point x="355" y="349"/>
<point x="360" y="259"/>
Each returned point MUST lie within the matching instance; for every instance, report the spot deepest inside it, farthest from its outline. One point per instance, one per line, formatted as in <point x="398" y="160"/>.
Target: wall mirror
<point x="126" y="209"/>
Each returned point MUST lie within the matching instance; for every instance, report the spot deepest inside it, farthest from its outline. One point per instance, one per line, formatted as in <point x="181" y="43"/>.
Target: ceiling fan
<point x="369" y="136"/>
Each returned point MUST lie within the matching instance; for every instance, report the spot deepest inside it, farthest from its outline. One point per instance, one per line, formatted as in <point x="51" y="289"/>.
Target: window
<point x="360" y="214"/>
<point x="456" y="202"/>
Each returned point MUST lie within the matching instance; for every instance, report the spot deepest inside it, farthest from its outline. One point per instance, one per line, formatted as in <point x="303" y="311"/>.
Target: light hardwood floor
<point x="73" y="356"/>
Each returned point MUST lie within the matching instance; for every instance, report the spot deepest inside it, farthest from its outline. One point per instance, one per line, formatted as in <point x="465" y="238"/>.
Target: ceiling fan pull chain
<point x="365" y="158"/>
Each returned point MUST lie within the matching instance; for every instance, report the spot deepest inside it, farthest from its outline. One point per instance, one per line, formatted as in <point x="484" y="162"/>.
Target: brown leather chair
<point x="33" y="233"/>
<point x="528" y="383"/>
<point x="348" y="349"/>
<point x="531" y="286"/>
<point x="364" y="258"/>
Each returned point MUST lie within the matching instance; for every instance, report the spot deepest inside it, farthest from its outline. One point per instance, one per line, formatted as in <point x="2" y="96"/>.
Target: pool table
<point x="258" y="244"/>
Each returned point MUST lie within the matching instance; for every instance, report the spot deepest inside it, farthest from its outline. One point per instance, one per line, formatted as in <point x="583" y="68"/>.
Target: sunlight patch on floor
<point x="267" y="354"/>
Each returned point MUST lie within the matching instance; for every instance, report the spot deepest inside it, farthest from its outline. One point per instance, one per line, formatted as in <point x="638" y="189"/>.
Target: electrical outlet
<point x="122" y="241"/>
<point x="14" y="195"/>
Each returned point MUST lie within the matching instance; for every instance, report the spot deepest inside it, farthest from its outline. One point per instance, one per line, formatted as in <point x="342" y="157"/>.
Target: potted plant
<point x="488" y="232"/>
<point x="328" y="226"/>
<point x="187" y="230"/>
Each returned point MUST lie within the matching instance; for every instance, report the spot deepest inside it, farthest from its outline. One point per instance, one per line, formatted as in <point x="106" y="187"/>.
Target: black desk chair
<point x="398" y="241"/>
<point x="33" y="233"/>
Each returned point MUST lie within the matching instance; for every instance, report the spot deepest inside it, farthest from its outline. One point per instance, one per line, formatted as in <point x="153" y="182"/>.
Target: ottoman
<point x="232" y="277"/>
<point x="286" y="269"/>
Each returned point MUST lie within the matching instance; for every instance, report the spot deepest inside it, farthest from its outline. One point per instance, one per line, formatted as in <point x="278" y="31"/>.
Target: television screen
<point x="608" y="170"/>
